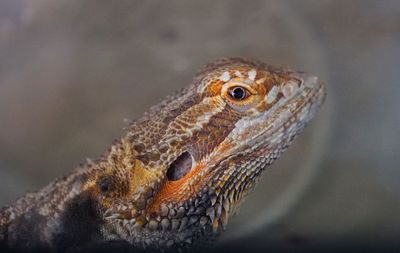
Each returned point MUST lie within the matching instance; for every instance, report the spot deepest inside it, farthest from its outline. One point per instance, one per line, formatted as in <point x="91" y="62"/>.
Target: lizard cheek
<point x="180" y="167"/>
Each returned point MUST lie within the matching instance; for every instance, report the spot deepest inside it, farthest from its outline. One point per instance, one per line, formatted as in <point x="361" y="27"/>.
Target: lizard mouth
<point x="180" y="167"/>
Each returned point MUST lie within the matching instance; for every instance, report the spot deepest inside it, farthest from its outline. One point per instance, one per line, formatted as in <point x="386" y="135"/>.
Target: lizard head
<point x="184" y="168"/>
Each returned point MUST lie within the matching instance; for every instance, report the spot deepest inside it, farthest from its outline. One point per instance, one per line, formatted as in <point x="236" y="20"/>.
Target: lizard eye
<point x="238" y="93"/>
<point x="239" y="96"/>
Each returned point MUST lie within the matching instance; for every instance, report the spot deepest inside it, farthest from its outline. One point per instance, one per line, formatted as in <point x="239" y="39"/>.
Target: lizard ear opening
<point x="180" y="167"/>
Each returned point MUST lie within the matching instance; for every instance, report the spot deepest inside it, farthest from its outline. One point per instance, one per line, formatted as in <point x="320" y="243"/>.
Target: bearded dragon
<point x="181" y="171"/>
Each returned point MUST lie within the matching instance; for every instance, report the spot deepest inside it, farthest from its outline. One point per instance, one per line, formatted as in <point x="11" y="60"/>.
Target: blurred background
<point x="71" y="71"/>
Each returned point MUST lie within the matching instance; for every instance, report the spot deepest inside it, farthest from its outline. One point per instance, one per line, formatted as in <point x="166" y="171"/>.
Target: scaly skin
<point x="182" y="169"/>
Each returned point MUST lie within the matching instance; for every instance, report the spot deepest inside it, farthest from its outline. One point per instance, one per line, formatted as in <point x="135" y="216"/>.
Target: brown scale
<point x="219" y="126"/>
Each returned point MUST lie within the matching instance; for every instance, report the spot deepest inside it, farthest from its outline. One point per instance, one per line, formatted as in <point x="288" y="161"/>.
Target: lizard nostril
<point x="180" y="167"/>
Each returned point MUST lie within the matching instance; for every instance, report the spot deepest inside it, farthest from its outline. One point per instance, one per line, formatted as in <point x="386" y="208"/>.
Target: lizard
<point x="182" y="169"/>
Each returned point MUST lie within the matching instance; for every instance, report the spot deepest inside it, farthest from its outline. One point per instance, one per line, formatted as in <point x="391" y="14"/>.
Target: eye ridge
<point x="238" y="93"/>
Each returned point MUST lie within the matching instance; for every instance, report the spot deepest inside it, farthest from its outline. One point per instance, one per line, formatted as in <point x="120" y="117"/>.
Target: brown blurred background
<point x="71" y="71"/>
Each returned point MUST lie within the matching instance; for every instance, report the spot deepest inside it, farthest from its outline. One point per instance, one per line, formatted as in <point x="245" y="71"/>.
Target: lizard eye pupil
<point x="237" y="93"/>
